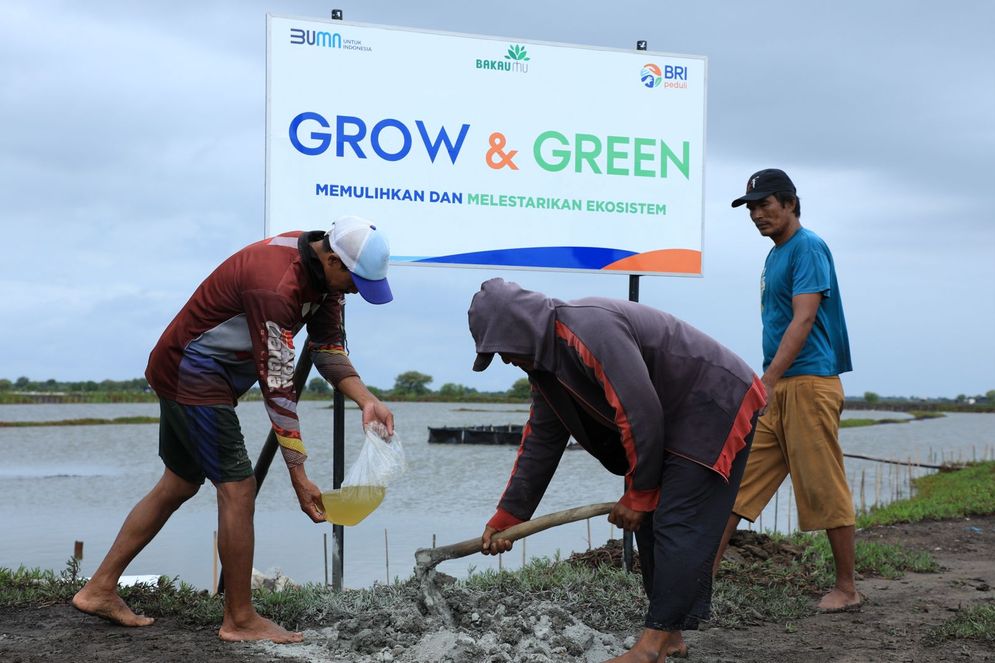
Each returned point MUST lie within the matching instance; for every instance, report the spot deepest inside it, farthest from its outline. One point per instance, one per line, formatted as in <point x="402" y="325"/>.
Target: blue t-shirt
<point x="804" y="265"/>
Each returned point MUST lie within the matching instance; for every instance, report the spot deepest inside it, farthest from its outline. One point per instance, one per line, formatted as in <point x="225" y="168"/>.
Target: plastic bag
<point x="379" y="463"/>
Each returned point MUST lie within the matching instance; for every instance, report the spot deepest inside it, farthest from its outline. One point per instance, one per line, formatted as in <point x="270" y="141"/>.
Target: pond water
<point x="77" y="483"/>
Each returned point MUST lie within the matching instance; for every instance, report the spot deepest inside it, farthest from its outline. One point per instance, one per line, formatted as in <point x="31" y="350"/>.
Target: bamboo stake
<point x="214" y="565"/>
<point x="386" y="554"/>
<point x="777" y="500"/>
<point x="588" y="521"/>
<point x="877" y="485"/>
<point x="790" y="503"/>
<point x="908" y="487"/>
<point x="863" y="507"/>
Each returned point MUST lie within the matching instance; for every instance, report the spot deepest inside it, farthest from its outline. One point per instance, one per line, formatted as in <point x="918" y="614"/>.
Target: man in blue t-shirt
<point x="805" y="349"/>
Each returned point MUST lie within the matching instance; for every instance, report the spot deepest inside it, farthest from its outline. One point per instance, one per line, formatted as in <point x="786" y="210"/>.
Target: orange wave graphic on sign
<point x="677" y="261"/>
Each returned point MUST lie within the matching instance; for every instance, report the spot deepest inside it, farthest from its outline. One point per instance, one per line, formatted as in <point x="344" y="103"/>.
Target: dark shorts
<point x="198" y="441"/>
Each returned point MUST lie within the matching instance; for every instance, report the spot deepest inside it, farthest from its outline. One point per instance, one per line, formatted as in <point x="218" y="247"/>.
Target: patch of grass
<point x="916" y="416"/>
<point x="892" y="561"/>
<point x="295" y="607"/>
<point x="966" y="492"/>
<point x="776" y="590"/>
<point x="856" y="423"/>
<point x="609" y="597"/>
<point x="24" y="586"/>
<point x="735" y="605"/>
<point x="872" y="559"/>
<point x="923" y="414"/>
<point x="975" y="623"/>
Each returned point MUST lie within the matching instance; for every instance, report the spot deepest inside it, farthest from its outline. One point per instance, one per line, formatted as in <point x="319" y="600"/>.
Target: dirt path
<point x="896" y="615"/>
<point x="889" y="629"/>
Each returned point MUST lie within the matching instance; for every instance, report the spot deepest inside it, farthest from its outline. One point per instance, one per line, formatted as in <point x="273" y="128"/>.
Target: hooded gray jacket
<point x="627" y="381"/>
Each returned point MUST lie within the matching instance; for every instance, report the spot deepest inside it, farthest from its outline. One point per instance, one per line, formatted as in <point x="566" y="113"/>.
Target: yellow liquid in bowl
<point x="349" y="505"/>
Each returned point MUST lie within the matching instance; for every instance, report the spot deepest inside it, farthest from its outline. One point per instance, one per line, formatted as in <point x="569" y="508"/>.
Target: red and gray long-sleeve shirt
<point x="630" y="383"/>
<point x="238" y="328"/>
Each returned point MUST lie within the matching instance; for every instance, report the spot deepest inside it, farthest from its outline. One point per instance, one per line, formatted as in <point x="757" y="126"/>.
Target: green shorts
<point x="198" y="441"/>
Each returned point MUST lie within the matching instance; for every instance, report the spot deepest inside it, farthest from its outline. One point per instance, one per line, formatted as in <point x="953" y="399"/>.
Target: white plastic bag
<point x="379" y="462"/>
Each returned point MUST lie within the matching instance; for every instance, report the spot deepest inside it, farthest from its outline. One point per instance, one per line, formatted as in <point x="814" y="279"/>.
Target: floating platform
<point x="506" y="434"/>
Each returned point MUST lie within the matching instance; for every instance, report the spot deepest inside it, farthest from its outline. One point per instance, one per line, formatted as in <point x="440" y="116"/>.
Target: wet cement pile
<point x="488" y="627"/>
<point x="502" y="625"/>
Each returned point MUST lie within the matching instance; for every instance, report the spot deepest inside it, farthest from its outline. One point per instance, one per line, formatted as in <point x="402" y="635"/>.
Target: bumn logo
<point x="315" y="38"/>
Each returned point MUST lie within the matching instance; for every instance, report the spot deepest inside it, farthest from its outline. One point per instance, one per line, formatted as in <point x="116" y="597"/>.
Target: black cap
<point x="482" y="361"/>
<point x="764" y="183"/>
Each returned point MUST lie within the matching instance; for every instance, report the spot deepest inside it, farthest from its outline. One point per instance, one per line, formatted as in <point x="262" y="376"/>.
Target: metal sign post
<point x="626" y="535"/>
<point x="641" y="45"/>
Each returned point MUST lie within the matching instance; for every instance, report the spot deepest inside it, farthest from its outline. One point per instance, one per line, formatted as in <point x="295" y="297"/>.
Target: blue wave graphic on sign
<point x="563" y="257"/>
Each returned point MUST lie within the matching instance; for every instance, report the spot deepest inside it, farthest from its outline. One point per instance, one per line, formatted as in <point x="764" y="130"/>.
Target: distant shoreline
<point x="81" y="422"/>
<point x="845" y="423"/>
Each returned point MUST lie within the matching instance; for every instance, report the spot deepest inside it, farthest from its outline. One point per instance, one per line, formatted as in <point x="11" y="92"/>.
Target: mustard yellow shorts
<point x="799" y="435"/>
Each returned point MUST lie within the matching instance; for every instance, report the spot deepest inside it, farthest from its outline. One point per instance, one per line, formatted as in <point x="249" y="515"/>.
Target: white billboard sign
<point x="483" y="152"/>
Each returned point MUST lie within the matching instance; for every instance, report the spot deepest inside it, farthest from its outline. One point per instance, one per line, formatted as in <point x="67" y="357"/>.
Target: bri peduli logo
<point x="669" y="75"/>
<point x="650" y="75"/>
<point x="515" y="60"/>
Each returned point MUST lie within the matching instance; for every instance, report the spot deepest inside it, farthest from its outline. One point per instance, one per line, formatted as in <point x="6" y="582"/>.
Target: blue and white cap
<point x="365" y="252"/>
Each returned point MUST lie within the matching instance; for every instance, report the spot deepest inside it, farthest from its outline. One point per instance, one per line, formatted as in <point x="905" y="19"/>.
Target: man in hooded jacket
<point x="654" y="400"/>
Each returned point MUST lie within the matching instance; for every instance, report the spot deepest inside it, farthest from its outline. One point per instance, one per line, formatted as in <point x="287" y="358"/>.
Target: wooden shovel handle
<point x="426" y="558"/>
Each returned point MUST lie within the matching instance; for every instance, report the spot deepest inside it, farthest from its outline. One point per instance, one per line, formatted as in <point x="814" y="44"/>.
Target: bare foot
<point x="259" y="628"/>
<point x="636" y="655"/>
<point x="651" y="648"/>
<point x="840" y="601"/>
<point x="675" y="645"/>
<point x="109" y="606"/>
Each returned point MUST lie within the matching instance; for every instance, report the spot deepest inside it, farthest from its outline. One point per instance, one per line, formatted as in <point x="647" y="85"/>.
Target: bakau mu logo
<point x="514" y="61"/>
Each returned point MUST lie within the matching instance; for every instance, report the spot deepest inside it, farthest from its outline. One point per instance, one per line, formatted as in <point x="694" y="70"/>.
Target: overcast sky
<point x="132" y="163"/>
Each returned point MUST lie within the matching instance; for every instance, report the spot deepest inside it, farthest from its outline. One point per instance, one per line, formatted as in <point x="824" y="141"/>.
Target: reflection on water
<point x="79" y="482"/>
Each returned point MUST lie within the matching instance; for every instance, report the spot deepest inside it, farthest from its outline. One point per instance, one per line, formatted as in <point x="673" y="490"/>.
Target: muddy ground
<point x="493" y="628"/>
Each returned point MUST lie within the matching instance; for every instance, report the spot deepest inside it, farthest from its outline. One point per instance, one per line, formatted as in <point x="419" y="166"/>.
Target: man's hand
<point x="308" y="494"/>
<point x="490" y="545"/>
<point x="625" y="518"/>
<point x="376" y="412"/>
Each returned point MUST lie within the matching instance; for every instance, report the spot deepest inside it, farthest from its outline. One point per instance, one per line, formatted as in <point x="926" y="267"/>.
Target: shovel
<point x="426" y="559"/>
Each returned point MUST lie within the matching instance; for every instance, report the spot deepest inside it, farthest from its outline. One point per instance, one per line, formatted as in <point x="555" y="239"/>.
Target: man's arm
<point x="804" y="308"/>
<point x="373" y="408"/>
<point x="271" y="320"/>
<point x="543" y="441"/>
<point x="327" y="342"/>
